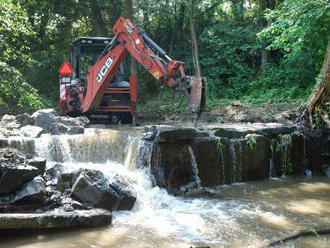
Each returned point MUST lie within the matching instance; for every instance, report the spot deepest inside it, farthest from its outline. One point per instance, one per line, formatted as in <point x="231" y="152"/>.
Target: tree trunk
<point x="129" y="15"/>
<point x="322" y="89"/>
<point x="194" y="39"/>
<point x="97" y="19"/>
<point x="178" y="27"/>
<point x="264" y="53"/>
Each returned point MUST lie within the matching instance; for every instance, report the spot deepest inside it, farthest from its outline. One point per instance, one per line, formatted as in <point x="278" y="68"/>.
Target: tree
<point x="194" y="39"/>
<point x="129" y="15"/>
<point x="300" y="26"/>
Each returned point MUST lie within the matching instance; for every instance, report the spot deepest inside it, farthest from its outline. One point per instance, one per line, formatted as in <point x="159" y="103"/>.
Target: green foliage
<point x="297" y="133"/>
<point x="35" y="38"/>
<point x="299" y="25"/>
<point x="251" y="142"/>
<point x="227" y="58"/>
<point x="218" y="142"/>
<point x="285" y="141"/>
<point x="17" y="95"/>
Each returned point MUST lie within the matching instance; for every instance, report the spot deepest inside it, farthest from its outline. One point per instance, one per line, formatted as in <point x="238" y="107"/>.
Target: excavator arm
<point x="128" y="38"/>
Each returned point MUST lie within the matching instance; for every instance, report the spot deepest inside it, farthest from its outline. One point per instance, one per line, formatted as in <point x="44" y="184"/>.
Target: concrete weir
<point x="226" y="154"/>
<point x="178" y="156"/>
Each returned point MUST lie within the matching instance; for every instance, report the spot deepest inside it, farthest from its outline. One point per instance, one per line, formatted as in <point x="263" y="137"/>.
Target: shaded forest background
<point x="251" y="50"/>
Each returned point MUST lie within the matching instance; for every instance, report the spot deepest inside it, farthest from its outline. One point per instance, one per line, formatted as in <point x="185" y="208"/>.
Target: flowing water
<point x="248" y="214"/>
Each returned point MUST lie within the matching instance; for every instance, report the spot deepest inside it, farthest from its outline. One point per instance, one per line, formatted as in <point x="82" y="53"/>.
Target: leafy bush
<point x="15" y="94"/>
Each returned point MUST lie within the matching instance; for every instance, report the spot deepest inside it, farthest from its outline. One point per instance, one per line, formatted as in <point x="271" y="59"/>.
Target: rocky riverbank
<point x="36" y="195"/>
<point x="39" y="193"/>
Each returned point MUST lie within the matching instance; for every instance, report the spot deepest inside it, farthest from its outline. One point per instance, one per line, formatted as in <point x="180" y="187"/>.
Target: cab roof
<point x="91" y="40"/>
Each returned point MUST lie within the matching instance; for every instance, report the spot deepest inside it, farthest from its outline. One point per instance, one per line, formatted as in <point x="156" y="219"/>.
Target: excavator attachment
<point x="197" y="98"/>
<point x="194" y="89"/>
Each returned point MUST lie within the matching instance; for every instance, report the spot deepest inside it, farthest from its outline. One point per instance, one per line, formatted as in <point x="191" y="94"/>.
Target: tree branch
<point x="303" y="233"/>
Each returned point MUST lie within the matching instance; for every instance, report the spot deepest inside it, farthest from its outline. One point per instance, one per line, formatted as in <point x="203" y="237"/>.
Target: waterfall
<point x="233" y="160"/>
<point x="272" y="172"/>
<point x="194" y="166"/>
<point x="240" y="169"/>
<point x="236" y="158"/>
<point x="97" y="146"/>
<point x="25" y="145"/>
<point x="222" y="166"/>
<point x="130" y="161"/>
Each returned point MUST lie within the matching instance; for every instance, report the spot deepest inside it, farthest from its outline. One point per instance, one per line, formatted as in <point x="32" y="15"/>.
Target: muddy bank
<point x="233" y="112"/>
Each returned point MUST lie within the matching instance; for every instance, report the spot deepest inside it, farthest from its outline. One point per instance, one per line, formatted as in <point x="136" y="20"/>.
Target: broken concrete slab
<point x="56" y="219"/>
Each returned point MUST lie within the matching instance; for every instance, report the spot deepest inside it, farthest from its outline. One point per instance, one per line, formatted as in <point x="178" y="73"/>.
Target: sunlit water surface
<point x="247" y="215"/>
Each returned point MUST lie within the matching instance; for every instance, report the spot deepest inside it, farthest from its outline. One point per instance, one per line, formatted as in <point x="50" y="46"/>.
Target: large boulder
<point x="94" y="189"/>
<point x="126" y="199"/>
<point x="56" y="125"/>
<point x="53" y="176"/>
<point x="44" y="118"/>
<point x="33" y="192"/>
<point x="24" y="119"/>
<point x="14" y="171"/>
<point x="31" y="131"/>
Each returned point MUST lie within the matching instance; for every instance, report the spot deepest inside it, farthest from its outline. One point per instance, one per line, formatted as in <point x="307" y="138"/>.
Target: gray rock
<point x="126" y="199"/>
<point x="176" y="134"/>
<point x="67" y="201"/>
<point x="44" y="118"/>
<point x="31" y="131"/>
<point x="39" y="163"/>
<point x="93" y="188"/>
<point x="56" y="219"/>
<point x="54" y="177"/>
<point x="33" y="192"/>
<point x="9" y="122"/>
<point x="58" y="128"/>
<point x="24" y="119"/>
<point x="56" y="168"/>
<point x="201" y="192"/>
<point x="4" y="142"/>
<point x="83" y="120"/>
<point x="12" y="176"/>
<point x="327" y="171"/>
<point x="75" y="130"/>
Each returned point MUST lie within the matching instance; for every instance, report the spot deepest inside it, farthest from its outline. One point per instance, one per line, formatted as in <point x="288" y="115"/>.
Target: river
<point x="249" y="214"/>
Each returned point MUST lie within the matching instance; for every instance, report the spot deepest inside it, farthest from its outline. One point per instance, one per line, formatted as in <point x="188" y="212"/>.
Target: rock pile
<point x="42" y="121"/>
<point x="27" y="186"/>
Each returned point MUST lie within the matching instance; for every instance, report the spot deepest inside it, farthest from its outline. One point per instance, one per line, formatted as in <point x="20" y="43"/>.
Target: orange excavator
<point x="94" y="83"/>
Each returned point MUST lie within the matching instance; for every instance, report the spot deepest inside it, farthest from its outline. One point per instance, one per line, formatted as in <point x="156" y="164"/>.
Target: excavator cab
<point x="116" y="103"/>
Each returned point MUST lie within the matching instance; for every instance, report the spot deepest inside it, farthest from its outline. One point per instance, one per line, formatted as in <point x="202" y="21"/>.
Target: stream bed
<point x="249" y="214"/>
